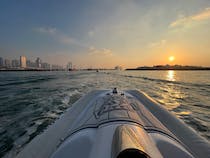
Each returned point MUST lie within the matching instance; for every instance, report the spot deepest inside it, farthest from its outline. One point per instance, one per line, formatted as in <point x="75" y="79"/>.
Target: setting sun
<point x="171" y="58"/>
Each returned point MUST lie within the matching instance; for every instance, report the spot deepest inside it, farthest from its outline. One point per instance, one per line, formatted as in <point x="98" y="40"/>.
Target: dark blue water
<point x="30" y="101"/>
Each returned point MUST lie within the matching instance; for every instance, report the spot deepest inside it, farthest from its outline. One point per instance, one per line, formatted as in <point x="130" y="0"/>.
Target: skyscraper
<point x="28" y="63"/>
<point x="45" y="66"/>
<point x="23" y="61"/>
<point x="69" y="66"/>
<point x="15" y="63"/>
<point x="7" y="63"/>
<point x="38" y="63"/>
<point x="1" y="62"/>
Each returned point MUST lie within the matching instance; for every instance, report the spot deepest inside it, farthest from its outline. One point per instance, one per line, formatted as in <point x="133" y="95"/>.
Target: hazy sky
<point x="106" y="33"/>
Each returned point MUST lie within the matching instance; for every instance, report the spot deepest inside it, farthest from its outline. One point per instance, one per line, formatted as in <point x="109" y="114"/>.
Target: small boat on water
<point x="117" y="124"/>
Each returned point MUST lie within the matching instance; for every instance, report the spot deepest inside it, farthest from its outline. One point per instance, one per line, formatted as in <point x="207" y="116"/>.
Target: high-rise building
<point x="23" y="61"/>
<point x="57" y="67"/>
<point x="1" y="62"/>
<point x="15" y="63"/>
<point x="45" y="66"/>
<point x="38" y="63"/>
<point x="28" y="63"/>
<point x="69" y="66"/>
<point x="7" y="63"/>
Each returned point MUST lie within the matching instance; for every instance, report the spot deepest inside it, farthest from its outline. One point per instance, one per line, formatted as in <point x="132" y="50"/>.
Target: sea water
<point x="31" y="101"/>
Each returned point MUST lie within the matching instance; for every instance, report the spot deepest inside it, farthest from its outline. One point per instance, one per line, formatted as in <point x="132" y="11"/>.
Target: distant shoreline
<point x="168" y="69"/>
<point x="171" y="67"/>
<point x="4" y="70"/>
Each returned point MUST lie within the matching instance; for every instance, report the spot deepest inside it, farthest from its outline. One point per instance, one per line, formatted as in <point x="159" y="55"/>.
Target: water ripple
<point x="31" y="101"/>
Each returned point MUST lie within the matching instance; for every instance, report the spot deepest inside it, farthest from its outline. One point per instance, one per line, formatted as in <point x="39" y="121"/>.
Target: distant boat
<point x="117" y="124"/>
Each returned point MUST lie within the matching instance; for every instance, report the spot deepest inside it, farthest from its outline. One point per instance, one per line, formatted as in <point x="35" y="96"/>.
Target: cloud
<point x="59" y="36"/>
<point x="100" y="52"/>
<point x="157" y="44"/>
<point x="68" y="40"/>
<point x="47" y="30"/>
<point x="204" y="15"/>
<point x="90" y="33"/>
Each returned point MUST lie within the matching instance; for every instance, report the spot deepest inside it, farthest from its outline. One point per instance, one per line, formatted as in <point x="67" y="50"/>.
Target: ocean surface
<point x="30" y="101"/>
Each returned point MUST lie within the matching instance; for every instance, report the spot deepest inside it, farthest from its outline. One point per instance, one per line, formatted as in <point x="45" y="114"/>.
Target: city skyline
<point x="107" y="33"/>
<point x="24" y="63"/>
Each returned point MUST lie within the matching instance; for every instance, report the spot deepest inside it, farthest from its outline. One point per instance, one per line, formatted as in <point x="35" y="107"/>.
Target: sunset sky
<point x="106" y="33"/>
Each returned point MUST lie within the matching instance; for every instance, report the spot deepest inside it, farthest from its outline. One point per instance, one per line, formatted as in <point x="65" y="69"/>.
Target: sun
<point x="171" y="58"/>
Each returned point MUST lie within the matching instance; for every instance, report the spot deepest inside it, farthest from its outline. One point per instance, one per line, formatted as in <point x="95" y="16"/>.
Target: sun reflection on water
<point x="172" y="94"/>
<point x="170" y="75"/>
